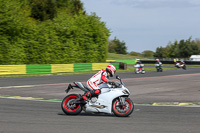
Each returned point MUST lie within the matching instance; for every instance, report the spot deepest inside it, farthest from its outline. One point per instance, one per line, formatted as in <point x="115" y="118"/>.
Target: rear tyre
<point x="184" y="67"/>
<point x="69" y="107"/>
<point x="122" y="110"/>
<point x="136" y="70"/>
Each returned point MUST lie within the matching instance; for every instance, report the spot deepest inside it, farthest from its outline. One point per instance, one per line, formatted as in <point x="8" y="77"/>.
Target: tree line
<point x="179" y="49"/>
<point x="50" y="32"/>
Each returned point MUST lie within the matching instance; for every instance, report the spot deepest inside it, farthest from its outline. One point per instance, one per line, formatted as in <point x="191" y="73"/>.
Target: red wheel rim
<point x="122" y="107"/>
<point x="68" y="108"/>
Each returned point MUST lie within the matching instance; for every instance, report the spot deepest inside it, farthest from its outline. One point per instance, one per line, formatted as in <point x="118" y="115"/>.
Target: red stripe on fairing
<point x="75" y="84"/>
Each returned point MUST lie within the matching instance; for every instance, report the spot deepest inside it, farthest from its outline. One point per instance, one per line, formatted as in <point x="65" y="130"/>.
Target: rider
<point x="100" y="77"/>
<point x="139" y="63"/>
<point x="176" y="62"/>
<point x="181" y="63"/>
<point x="158" y="62"/>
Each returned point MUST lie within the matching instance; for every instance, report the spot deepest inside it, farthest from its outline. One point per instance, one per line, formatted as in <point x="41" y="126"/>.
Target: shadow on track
<point x="90" y="114"/>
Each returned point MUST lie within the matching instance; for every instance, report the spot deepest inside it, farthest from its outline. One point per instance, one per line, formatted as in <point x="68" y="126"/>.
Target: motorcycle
<point x="113" y="99"/>
<point x="139" y="68"/>
<point x="158" y="67"/>
<point x="180" y="65"/>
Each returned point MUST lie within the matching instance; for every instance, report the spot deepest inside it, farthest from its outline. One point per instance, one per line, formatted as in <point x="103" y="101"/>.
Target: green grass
<point x="112" y="56"/>
<point x="47" y="74"/>
<point x="192" y="65"/>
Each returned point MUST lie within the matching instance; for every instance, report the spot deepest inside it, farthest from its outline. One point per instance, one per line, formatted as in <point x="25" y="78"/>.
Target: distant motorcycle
<point x="114" y="98"/>
<point x="180" y="65"/>
<point x="158" y="67"/>
<point x="139" y="68"/>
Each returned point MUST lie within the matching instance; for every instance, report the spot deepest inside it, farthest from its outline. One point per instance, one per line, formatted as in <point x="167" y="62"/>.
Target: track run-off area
<point x="167" y="101"/>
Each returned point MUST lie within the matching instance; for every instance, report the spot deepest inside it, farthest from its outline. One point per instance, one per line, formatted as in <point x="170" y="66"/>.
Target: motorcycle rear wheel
<point x="71" y="109"/>
<point x="122" y="110"/>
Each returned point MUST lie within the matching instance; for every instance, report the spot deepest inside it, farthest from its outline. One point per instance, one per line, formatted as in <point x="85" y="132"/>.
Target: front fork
<point x="122" y="101"/>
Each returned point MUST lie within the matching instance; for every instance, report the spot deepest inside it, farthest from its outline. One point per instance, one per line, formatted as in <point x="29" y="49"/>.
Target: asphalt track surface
<point x="32" y="116"/>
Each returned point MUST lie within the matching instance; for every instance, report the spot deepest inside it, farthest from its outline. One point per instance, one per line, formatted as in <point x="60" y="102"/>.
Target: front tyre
<point x="184" y="67"/>
<point x="69" y="107"/>
<point x="122" y="110"/>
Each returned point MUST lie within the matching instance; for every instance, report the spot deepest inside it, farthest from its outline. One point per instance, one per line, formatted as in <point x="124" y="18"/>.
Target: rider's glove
<point x="111" y="83"/>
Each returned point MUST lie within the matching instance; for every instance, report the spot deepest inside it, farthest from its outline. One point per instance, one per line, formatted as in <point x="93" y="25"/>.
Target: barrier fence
<point x="52" y="68"/>
<point x="56" y="68"/>
<point x="153" y="62"/>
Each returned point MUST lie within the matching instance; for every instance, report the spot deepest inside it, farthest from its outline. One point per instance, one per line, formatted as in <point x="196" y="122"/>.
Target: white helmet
<point x="111" y="69"/>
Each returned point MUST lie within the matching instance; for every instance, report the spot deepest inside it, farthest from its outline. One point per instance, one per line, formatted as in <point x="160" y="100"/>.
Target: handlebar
<point x="115" y="84"/>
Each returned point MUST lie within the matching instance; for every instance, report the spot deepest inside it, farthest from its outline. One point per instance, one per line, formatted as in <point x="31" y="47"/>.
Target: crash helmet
<point x="157" y="60"/>
<point x="111" y="69"/>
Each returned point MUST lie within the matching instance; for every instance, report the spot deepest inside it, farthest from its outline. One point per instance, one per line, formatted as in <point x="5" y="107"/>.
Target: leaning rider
<point x="100" y="77"/>
<point x="158" y="62"/>
<point x="139" y="63"/>
<point x="181" y="62"/>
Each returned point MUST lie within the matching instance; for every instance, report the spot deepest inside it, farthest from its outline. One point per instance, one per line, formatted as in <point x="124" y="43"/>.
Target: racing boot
<point x="86" y="96"/>
<point x="90" y="94"/>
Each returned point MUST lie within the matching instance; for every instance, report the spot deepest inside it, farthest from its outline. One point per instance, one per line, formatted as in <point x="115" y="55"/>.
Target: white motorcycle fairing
<point x="104" y="102"/>
<point x="113" y="99"/>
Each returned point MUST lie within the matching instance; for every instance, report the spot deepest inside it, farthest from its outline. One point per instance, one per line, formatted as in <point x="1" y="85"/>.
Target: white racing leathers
<point x="96" y="80"/>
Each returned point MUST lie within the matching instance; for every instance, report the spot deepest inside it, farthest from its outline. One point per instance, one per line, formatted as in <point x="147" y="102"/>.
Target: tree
<point x="73" y="6"/>
<point x="111" y="47"/>
<point x="67" y="39"/>
<point x="77" y="6"/>
<point x="135" y="53"/>
<point x="116" y="46"/>
<point x="197" y="42"/>
<point x="43" y="9"/>
<point x="147" y="53"/>
<point x="159" y="52"/>
<point x="181" y="49"/>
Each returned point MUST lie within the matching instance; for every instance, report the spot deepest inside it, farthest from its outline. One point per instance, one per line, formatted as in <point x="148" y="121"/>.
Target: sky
<point x="148" y="24"/>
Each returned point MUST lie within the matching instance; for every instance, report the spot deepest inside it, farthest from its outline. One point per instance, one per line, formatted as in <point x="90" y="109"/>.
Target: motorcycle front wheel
<point x="69" y="107"/>
<point x="184" y="67"/>
<point x="122" y="110"/>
